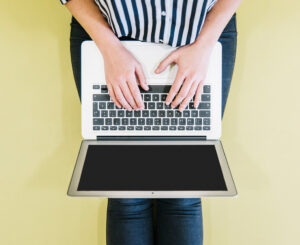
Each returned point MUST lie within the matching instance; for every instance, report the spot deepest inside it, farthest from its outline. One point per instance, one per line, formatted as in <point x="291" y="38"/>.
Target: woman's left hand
<point x="192" y="61"/>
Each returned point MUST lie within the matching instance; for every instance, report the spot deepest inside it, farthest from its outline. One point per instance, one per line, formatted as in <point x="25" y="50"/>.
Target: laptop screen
<point x="151" y="168"/>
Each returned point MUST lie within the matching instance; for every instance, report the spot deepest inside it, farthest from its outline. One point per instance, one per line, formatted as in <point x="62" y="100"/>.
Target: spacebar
<point x="157" y="89"/>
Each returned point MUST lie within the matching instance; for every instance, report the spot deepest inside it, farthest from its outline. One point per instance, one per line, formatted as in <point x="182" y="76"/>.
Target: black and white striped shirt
<point x="172" y="22"/>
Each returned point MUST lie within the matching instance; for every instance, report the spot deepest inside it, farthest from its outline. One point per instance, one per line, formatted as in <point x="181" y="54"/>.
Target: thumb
<point x="165" y="63"/>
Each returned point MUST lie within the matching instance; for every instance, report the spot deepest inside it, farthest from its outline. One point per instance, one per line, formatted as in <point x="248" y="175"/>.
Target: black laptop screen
<point x="151" y="167"/>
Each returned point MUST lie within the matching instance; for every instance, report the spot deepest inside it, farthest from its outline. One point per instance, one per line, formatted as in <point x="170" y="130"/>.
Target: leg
<point x="228" y="40"/>
<point x="129" y="221"/>
<point x="179" y="221"/>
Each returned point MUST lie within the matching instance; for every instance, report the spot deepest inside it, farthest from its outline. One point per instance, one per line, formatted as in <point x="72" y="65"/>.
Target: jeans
<point x="143" y="221"/>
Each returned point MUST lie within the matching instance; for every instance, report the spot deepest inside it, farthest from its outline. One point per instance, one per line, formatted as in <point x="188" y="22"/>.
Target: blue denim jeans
<point x="143" y="221"/>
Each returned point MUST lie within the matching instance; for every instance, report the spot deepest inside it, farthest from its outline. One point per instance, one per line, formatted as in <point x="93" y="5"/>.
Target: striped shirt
<point x="172" y="22"/>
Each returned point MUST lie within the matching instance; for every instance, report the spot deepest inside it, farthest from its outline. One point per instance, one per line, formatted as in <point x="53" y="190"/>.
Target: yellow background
<point x="40" y="131"/>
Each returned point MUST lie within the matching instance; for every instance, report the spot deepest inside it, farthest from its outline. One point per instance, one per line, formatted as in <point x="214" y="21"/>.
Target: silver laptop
<point x="157" y="152"/>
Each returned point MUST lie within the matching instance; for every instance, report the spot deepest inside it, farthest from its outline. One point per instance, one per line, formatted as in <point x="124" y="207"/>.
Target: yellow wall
<point x="40" y="131"/>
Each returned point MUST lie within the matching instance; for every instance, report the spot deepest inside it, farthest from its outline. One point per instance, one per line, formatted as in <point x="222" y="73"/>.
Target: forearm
<point x="87" y="13"/>
<point x="216" y="20"/>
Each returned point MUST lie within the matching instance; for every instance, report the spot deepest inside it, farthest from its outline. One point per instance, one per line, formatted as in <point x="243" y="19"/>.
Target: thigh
<point x="179" y="221"/>
<point x="129" y="221"/>
<point x="77" y="36"/>
<point x="228" y="40"/>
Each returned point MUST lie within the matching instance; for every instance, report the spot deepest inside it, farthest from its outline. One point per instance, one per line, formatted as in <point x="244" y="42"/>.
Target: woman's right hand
<point x="123" y="73"/>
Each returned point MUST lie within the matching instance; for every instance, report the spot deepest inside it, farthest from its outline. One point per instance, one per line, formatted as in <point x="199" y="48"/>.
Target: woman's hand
<point x="192" y="61"/>
<point x="123" y="73"/>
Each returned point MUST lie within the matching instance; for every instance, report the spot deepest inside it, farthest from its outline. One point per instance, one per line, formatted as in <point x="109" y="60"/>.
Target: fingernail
<point x="167" y="102"/>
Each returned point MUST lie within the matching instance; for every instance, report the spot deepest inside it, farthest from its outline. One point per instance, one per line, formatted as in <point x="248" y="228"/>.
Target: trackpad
<point x="151" y="167"/>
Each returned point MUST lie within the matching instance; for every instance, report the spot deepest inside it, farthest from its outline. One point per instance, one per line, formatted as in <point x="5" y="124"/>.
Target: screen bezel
<point x="231" y="189"/>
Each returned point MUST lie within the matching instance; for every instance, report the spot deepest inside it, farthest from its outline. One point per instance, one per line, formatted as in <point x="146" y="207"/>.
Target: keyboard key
<point x="96" y="128"/>
<point x="161" y="113"/>
<point x="98" y="121"/>
<point x="186" y="113"/>
<point x="141" y="121"/>
<point x="164" y="128"/>
<point x="137" y="113"/>
<point x="96" y="113"/>
<point x="157" y="89"/>
<point x="206" y="128"/>
<point x="155" y="97"/>
<point x="116" y="121"/>
<point x="133" y="121"/>
<point x="149" y="121"/>
<point x="163" y="97"/>
<point x="166" y="121"/>
<point x="129" y="113"/>
<point x="96" y="86"/>
<point x="198" y="128"/>
<point x="190" y="121"/>
<point x="189" y="128"/>
<point x="198" y="121"/>
<point x="108" y="121"/>
<point x="145" y="113"/>
<point x="110" y="105"/>
<point x="147" y="128"/>
<point x="206" y="121"/>
<point x="112" y="113"/>
<point x="182" y="121"/>
<point x="138" y="128"/>
<point x="194" y="113"/>
<point x="151" y="105"/>
<point x="155" y="128"/>
<point x="122" y="128"/>
<point x="102" y="105"/>
<point x="101" y="97"/>
<point x="181" y="128"/>
<point x="145" y="105"/>
<point x="206" y="89"/>
<point x="113" y="128"/>
<point x="174" y="121"/>
<point x="104" y="113"/>
<point x="153" y="113"/>
<point x="147" y="97"/>
<point x="172" y="128"/>
<point x="104" y="89"/>
<point x="204" y="106"/>
<point x="125" y="121"/>
<point x="130" y="128"/>
<point x="95" y="105"/>
<point x="121" y="113"/>
<point x="168" y="106"/>
<point x="204" y="114"/>
<point x="157" y="121"/>
<point x="159" y="105"/>
<point x="178" y="114"/>
<point x="170" y="113"/>
<point x="104" y="128"/>
<point x="205" y="97"/>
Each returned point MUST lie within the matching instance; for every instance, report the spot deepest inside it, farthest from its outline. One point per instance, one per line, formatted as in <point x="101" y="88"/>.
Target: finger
<point x="166" y="62"/>
<point x="189" y="96"/>
<point x="198" y="94"/>
<point x="121" y="99"/>
<point x="141" y="77"/>
<point x="113" y="96"/>
<point x="127" y="95"/>
<point x="183" y="92"/>
<point x="175" y="87"/>
<point x="136" y="93"/>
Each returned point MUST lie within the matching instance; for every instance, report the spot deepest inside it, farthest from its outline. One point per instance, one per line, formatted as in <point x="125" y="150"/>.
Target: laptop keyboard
<point x="156" y="115"/>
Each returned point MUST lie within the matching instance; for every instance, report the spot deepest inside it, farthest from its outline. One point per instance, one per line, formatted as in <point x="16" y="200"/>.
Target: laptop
<point x="157" y="152"/>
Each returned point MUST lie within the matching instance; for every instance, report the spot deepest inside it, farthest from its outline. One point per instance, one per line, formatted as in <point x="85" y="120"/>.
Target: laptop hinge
<point x="137" y="138"/>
